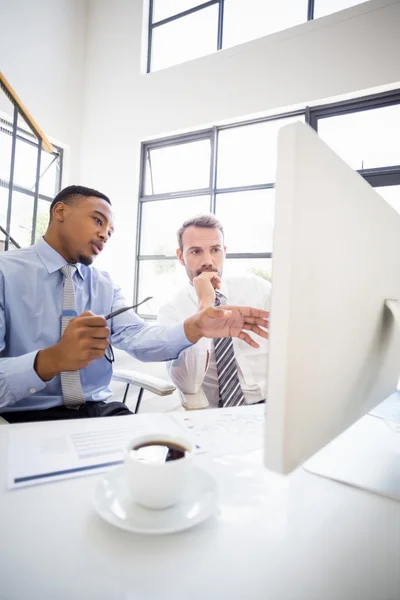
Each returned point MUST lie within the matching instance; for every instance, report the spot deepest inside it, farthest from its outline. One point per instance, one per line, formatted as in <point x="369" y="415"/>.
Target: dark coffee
<point x="159" y="452"/>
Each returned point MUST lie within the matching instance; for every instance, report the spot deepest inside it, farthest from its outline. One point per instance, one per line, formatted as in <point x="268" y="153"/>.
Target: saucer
<point x="113" y="503"/>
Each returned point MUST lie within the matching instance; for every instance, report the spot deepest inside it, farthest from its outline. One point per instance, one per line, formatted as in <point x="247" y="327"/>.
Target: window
<point x="161" y="220"/>
<point x="247" y="154"/>
<point x="364" y="139"/>
<point x="17" y="213"/>
<point x="160" y="273"/>
<point x="229" y="171"/>
<point x="181" y="30"/>
<point x="364" y="133"/>
<point x="184" y="39"/>
<point x="179" y="167"/>
<point x="256" y="209"/>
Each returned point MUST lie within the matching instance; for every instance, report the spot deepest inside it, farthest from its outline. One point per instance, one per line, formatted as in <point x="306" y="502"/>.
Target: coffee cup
<point x="157" y="469"/>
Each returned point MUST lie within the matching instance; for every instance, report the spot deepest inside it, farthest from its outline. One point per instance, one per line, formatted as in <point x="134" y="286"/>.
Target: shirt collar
<point x="52" y="260"/>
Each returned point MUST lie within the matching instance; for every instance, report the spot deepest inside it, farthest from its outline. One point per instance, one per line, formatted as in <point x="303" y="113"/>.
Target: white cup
<point x="157" y="483"/>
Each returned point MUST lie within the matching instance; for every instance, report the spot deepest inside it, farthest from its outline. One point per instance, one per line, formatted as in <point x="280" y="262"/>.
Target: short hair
<point x="71" y="194"/>
<point x="208" y="221"/>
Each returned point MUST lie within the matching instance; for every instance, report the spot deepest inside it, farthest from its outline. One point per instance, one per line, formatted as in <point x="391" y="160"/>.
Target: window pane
<point x="391" y="193"/>
<point x="248" y="220"/>
<point x="3" y="213"/>
<point x="245" y="266"/>
<point x="162" y="219"/>
<point x="25" y="165"/>
<point x="22" y="215"/>
<point x="178" y="168"/>
<point x="246" y="20"/>
<point x="42" y="218"/>
<point x="365" y="139"/>
<point x="162" y="9"/>
<point x="247" y="154"/>
<point x="5" y="155"/>
<point x="50" y="167"/>
<point x="21" y="218"/>
<point x="160" y="279"/>
<point x="326" y="7"/>
<point x="3" y="206"/>
<point x="184" y="39"/>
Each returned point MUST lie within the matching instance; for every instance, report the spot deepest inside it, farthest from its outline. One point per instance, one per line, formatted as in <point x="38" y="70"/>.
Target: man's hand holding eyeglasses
<point x="85" y="339"/>
<point x="228" y="321"/>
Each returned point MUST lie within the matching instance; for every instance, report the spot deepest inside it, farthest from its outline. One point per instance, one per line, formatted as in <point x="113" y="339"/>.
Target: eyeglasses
<point x="109" y="353"/>
<point x="125" y="308"/>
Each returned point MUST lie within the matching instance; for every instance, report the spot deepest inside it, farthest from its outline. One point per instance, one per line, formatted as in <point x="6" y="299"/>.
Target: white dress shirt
<point x="196" y="367"/>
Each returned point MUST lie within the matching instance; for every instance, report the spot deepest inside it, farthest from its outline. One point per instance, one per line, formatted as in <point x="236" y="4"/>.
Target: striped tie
<point x="230" y="392"/>
<point x="70" y="380"/>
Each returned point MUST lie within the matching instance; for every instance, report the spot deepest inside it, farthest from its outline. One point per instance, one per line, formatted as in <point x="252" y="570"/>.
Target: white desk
<point x="299" y="538"/>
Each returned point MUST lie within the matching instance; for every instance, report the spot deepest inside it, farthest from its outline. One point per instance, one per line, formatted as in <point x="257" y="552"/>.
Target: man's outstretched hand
<point x="229" y="321"/>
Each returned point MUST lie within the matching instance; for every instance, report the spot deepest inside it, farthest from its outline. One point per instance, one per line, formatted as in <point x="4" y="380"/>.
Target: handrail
<point x="14" y="243"/>
<point x="12" y="96"/>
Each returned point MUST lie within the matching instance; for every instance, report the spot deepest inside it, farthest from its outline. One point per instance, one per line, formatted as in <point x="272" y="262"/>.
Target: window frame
<point x="377" y="176"/>
<point x="24" y="136"/>
<point x="198" y="7"/>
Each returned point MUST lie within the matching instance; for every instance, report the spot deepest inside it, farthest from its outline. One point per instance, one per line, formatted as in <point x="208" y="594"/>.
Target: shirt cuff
<point x="178" y="337"/>
<point x="22" y="377"/>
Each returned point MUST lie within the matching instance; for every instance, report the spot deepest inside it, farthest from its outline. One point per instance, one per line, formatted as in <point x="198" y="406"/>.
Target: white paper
<point x="389" y="409"/>
<point x="60" y="450"/>
<point x="226" y="430"/>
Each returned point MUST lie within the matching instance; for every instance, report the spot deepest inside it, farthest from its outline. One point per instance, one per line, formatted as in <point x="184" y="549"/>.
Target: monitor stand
<point x="367" y="456"/>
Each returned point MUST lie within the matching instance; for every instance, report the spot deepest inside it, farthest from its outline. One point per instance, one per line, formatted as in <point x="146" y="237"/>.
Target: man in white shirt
<point x="200" y="371"/>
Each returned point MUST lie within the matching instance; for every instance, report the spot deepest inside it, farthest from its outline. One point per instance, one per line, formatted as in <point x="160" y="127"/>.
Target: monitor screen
<point x="334" y="347"/>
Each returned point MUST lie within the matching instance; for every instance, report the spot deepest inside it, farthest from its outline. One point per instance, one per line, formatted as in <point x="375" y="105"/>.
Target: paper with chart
<point x="226" y="430"/>
<point x="38" y="453"/>
<point x="43" y="452"/>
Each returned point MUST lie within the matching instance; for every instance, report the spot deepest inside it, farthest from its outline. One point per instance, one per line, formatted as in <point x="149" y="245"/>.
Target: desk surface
<point x="301" y="538"/>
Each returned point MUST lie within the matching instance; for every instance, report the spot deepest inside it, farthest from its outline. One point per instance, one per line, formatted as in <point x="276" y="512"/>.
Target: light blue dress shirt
<point x="31" y="295"/>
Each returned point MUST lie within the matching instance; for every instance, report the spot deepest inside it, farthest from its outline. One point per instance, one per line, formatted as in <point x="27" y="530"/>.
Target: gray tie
<point x="230" y="392"/>
<point x="70" y="380"/>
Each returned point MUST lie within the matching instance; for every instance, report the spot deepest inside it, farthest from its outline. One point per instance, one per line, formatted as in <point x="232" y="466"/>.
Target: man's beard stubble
<point x="194" y="274"/>
<point x="85" y="260"/>
<point x="207" y="270"/>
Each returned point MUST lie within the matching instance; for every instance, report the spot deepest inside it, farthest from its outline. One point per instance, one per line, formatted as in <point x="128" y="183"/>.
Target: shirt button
<point x="32" y="390"/>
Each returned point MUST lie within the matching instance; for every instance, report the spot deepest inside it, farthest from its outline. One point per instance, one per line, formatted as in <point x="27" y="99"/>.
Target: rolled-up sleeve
<point x="148" y="343"/>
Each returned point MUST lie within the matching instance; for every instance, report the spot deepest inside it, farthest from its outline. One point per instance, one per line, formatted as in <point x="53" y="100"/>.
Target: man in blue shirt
<point x="38" y="362"/>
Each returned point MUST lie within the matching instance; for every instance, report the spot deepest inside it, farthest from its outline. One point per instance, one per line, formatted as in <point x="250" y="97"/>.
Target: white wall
<point x="340" y="54"/>
<point x="42" y="51"/>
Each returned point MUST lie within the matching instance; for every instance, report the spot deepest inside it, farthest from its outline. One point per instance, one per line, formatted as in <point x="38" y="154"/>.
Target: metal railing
<point x="9" y="237"/>
<point x="43" y="144"/>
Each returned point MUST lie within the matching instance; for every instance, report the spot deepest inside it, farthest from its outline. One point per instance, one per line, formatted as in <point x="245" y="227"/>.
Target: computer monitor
<point x="334" y="345"/>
